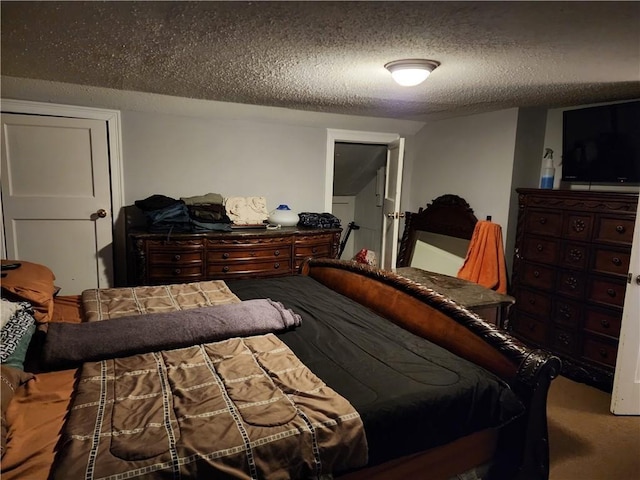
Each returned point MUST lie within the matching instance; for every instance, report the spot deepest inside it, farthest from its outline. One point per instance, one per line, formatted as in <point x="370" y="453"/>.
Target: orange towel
<point x="485" y="263"/>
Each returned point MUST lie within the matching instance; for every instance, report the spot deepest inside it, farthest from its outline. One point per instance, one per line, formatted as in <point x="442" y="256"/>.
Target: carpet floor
<point x="586" y="441"/>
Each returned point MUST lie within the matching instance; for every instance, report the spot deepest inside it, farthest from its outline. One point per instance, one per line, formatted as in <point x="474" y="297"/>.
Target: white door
<point x="391" y="204"/>
<point x="625" y="398"/>
<point x="56" y="197"/>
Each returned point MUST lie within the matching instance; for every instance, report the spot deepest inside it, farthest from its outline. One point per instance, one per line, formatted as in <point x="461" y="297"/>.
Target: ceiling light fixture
<point x="409" y="73"/>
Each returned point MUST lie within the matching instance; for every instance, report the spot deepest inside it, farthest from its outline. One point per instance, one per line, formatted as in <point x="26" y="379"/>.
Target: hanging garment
<point x="485" y="262"/>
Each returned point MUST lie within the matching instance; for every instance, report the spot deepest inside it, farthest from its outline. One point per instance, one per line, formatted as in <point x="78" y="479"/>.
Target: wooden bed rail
<point x="431" y="315"/>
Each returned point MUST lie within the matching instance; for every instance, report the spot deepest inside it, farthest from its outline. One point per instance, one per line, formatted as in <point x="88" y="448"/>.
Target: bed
<point x="397" y="380"/>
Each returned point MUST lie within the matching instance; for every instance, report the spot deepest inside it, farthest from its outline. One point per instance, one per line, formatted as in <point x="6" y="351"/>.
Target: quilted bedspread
<point x="239" y="408"/>
<point x="106" y="303"/>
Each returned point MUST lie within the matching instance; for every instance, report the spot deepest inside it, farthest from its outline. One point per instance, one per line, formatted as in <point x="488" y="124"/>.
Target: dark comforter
<point x="411" y="394"/>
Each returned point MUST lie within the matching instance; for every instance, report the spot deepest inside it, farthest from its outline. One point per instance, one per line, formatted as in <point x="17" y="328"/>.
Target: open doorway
<point x="361" y="165"/>
<point x="358" y="191"/>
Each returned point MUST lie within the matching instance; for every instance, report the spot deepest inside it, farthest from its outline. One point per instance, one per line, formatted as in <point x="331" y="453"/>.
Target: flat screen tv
<point x="602" y="144"/>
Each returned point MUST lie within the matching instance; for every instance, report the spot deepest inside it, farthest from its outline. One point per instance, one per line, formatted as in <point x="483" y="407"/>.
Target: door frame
<point x="114" y="142"/>
<point x="348" y="136"/>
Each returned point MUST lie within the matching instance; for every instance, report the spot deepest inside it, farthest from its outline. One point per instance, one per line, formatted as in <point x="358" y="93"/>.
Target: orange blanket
<point x="485" y="263"/>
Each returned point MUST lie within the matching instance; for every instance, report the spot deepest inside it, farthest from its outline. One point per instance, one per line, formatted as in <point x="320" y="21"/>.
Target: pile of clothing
<point x="185" y="215"/>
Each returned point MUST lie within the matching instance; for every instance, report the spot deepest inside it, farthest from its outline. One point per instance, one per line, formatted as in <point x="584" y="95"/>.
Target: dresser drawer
<point x="543" y="222"/>
<point x="611" y="261"/>
<point x="248" y="253"/>
<point x="615" y="230"/>
<point x="567" y="313"/>
<point x="607" y="291"/>
<point x="603" y="321"/>
<point x="176" y="274"/>
<point x="599" y="350"/>
<point x="575" y="255"/>
<point x="221" y="270"/>
<point x="175" y="257"/>
<point x="534" y="303"/>
<point x="541" y="250"/>
<point x="530" y="328"/>
<point x="578" y="226"/>
<point x="564" y="340"/>
<point x="571" y="283"/>
<point x="538" y="276"/>
<point x="319" y="250"/>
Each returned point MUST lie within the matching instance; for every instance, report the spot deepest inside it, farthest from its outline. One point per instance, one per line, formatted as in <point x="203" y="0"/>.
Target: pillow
<point x="33" y="283"/>
<point x="12" y="378"/>
<point x="17" y="333"/>
<point x="17" y="358"/>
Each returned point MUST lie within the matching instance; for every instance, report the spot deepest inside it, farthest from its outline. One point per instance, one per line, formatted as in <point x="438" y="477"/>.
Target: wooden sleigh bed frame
<point x="517" y="450"/>
<point x="521" y="450"/>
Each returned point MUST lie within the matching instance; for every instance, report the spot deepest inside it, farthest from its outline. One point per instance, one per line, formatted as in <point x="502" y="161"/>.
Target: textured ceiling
<point x="329" y="56"/>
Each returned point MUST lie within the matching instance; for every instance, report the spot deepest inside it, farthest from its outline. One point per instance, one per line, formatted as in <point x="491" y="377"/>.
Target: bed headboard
<point x="441" y="233"/>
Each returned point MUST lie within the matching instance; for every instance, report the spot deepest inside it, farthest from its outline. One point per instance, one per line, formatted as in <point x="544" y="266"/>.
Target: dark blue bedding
<point x="411" y="394"/>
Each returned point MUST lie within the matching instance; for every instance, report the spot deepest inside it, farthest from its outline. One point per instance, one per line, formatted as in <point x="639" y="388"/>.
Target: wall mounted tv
<point x="602" y="144"/>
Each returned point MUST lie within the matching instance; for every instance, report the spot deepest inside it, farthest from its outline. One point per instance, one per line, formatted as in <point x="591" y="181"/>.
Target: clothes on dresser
<point x="168" y="215"/>
<point x="155" y="202"/>
<point x="247" y="210"/>
<point x="318" y="220"/>
<point x="207" y="199"/>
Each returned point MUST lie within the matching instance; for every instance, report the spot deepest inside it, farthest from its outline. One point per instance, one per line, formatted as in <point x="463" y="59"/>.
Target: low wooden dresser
<point x="571" y="263"/>
<point x="486" y="303"/>
<point x="161" y="258"/>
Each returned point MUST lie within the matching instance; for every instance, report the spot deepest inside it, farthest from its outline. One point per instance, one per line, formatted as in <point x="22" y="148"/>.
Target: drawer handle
<point x="536" y="273"/>
<point x="620" y="229"/>
<point x="225" y="255"/>
<point x="176" y="271"/>
<point x="539" y="247"/>
<point x="276" y="253"/>
<point x="578" y="225"/>
<point x="225" y="269"/>
<point x="543" y="220"/>
<point x="176" y="257"/>
<point x="565" y="312"/>
<point x="605" y="323"/>
<point x="572" y="283"/>
<point x="603" y="353"/>
<point x="531" y="326"/>
<point x="314" y="250"/>
<point x="564" y="338"/>
<point x="575" y="254"/>
<point x="276" y="266"/>
<point x="616" y="261"/>
<point x="532" y="301"/>
<point x="611" y="292"/>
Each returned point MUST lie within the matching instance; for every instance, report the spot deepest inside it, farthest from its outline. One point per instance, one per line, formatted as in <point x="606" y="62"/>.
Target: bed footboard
<point x="523" y="450"/>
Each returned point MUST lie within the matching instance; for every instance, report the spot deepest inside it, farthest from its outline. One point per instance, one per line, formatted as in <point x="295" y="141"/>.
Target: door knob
<point x="101" y="213"/>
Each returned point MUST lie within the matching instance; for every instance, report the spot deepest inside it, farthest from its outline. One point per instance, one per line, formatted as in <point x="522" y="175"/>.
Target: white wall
<point x="182" y="156"/>
<point x="468" y="156"/>
<point x="182" y="147"/>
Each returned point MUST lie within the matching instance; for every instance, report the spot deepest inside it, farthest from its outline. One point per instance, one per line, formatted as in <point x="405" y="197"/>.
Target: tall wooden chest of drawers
<point x="570" y="269"/>
<point x="176" y="258"/>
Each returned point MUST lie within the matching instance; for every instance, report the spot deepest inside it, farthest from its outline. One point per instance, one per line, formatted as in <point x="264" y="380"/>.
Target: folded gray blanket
<point x="67" y="345"/>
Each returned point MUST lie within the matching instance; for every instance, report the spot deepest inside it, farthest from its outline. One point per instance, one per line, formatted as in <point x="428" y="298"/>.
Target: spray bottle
<point x="548" y="172"/>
